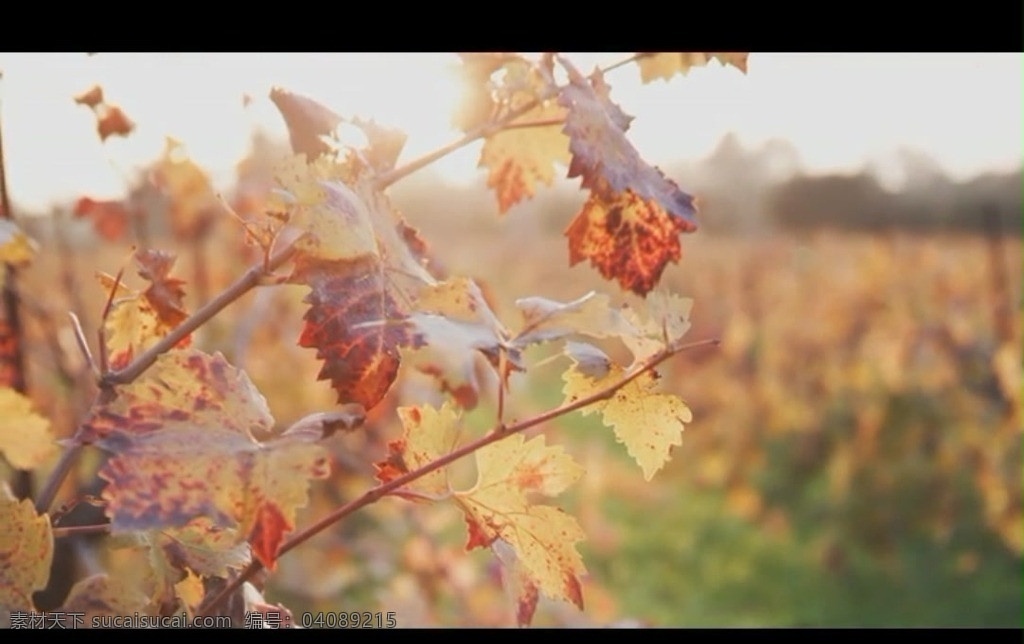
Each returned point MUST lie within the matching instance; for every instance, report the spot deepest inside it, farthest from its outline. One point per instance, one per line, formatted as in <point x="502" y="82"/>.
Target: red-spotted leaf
<point x="355" y="325"/>
<point x="500" y="508"/>
<point x="630" y="225"/>
<point x="183" y="443"/>
<point x="26" y="552"/>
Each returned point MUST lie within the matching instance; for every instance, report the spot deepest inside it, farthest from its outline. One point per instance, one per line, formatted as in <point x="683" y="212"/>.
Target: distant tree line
<point x="987" y="203"/>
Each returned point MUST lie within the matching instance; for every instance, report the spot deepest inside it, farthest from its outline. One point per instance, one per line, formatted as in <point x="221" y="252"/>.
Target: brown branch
<point x="481" y="132"/>
<point x="497" y="433"/>
<point x="250" y="279"/>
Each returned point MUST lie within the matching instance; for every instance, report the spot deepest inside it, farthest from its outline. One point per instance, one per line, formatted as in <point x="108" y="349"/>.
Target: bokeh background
<point x="855" y="456"/>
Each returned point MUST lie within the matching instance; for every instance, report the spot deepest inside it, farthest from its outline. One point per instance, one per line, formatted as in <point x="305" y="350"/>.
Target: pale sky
<point x="838" y="110"/>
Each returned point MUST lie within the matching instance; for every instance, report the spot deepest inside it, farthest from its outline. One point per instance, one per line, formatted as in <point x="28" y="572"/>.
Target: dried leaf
<point x="25" y="438"/>
<point x="478" y="104"/>
<point x="109" y="217"/>
<point x="525" y="152"/>
<point x="112" y="121"/>
<point x="355" y="325"/>
<point x="543" y="537"/>
<point x="16" y="248"/>
<point x="183" y="441"/>
<point x="26" y="552"/>
<point x="630" y="225"/>
<point x="307" y="122"/>
<point x="427" y="435"/>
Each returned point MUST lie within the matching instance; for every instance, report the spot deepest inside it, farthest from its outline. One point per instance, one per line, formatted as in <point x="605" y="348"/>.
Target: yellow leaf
<point x="190" y="591"/>
<point x="524" y="154"/>
<point x="26" y="552"/>
<point x="336" y="221"/>
<point x="15" y="246"/>
<point x="428" y="434"/>
<point x="183" y="445"/>
<point x="649" y="424"/>
<point x="543" y="537"/>
<point x="25" y="438"/>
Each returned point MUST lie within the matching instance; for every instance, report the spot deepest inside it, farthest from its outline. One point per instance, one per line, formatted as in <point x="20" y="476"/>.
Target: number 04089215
<point x="342" y="619"/>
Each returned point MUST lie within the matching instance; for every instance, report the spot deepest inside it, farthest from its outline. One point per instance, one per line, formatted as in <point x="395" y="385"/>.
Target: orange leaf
<point x="354" y="323"/>
<point x="630" y="224"/>
<point x="90" y="97"/>
<point x="112" y="121"/>
<point x="109" y="218"/>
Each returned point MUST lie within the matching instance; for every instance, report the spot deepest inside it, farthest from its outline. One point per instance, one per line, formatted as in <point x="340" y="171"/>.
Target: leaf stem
<point x="100" y="528"/>
<point x="497" y="433"/>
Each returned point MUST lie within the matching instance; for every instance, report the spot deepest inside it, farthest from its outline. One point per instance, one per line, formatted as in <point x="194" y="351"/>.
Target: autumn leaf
<point x="546" y="320"/>
<point x="307" y="122"/>
<point x="138" y="320"/>
<point x="649" y="424"/>
<point x="112" y="121"/>
<point x="16" y="248"/>
<point x="384" y="144"/>
<point x="447" y="350"/>
<point x="543" y="537"/>
<point x="101" y="595"/>
<point x="524" y="153"/>
<point x="355" y="325"/>
<point x="25" y="438"/>
<point x="629" y="226"/>
<point x="109" y="217"/>
<point x="427" y="434"/>
<point x="453" y="325"/>
<point x="335" y="221"/>
<point x="183" y="443"/>
<point x="478" y="104"/>
<point x="204" y="548"/>
<point x="91" y="97"/>
<point x="192" y="202"/>
<point x="659" y="323"/>
<point x="26" y="552"/>
<point x="536" y="543"/>
<point x="664" y="65"/>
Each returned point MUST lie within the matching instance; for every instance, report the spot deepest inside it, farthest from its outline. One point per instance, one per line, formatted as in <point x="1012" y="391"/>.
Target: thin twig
<point x="497" y="433"/>
<point x="83" y="346"/>
<point x="528" y="124"/>
<point x="479" y="132"/>
<point x="251" y="278"/>
<point x="70" y="531"/>
<point x="56" y="478"/>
